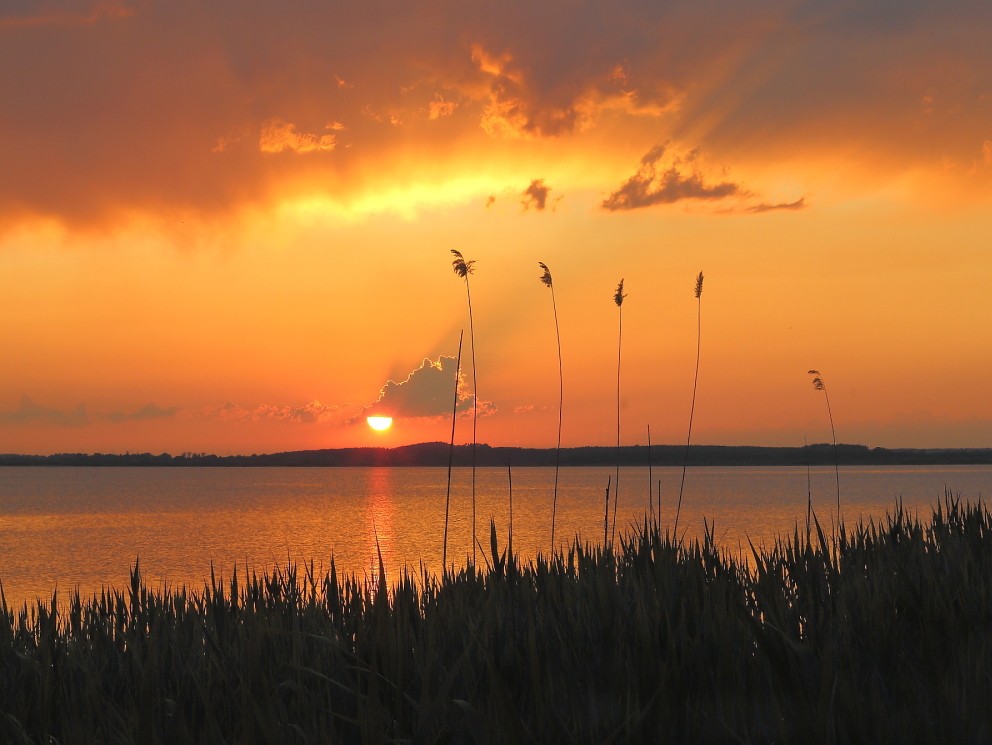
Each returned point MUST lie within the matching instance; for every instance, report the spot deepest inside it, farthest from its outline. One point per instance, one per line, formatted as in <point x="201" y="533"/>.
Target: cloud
<point x="150" y="411"/>
<point x="799" y="204"/>
<point x="106" y="113"/>
<point x="649" y="187"/>
<point x="278" y="136"/>
<point x="428" y="391"/>
<point x="312" y="413"/>
<point x="536" y="195"/>
<point x="48" y="16"/>
<point x="28" y="412"/>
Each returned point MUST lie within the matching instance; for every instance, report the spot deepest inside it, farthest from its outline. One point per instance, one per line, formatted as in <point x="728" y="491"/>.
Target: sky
<point x="227" y="226"/>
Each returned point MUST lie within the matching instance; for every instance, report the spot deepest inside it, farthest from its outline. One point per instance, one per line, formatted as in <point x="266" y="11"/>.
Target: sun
<point x="379" y="422"/>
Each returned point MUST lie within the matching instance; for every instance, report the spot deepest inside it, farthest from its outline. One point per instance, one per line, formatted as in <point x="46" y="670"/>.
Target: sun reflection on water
<point x="379" y="537"/>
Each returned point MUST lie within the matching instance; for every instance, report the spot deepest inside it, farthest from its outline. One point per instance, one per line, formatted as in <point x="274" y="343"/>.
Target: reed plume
<point x="451" y="453"/>
<point x="695" y="382"/>
<point x="546" y="279"/>
<point x="618" y="297"/>
<point x="819" y="385"/>
<point x="462" y="269"/>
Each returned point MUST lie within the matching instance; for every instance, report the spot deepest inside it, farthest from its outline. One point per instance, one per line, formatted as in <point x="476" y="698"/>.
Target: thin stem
<point x="616" y="486"/>
<point x="475" y="410"/>
<point x="650" y="477"/>
<point x="692" y="408"/>
<point x="606" y="515"/>
<point x="451" y="454"/>
<point x="809" y="490"/>
<point x="554" y="502"/>
<point x="833" y="434"/>
<point x="509" y="477"/>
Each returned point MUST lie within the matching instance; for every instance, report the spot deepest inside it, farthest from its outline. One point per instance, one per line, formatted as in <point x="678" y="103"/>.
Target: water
<point x="85" y="527"/>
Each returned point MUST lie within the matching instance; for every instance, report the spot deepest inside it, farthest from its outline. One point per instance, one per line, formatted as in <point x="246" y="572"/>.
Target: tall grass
<point x="451" y="449"/>
<point x="819" y="385"/>
<point x="695" y="382"/>
<point x="546" y="279"/>
<point x="618" y="297"/>
<point x="657" y="641"/>
<point x="463" y="268"/>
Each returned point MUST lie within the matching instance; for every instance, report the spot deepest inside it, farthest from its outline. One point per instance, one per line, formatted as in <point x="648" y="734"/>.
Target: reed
<point x="451" y="450"/>
<point x="618" y="297"/>
<point x="546" y="279"/>
<point x="463" y="268"/>
<point x="819" y="385"/>
<point x="659" y="640"/>
<point x="695" y="382"/>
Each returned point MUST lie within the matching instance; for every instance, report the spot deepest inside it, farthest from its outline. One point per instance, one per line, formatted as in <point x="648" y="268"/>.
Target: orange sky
<point x="224" y="227"/>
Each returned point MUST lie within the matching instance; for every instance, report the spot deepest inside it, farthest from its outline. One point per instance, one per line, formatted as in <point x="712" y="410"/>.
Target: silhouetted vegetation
<point x="888" y="640"/>
<point x="436" y="454"/>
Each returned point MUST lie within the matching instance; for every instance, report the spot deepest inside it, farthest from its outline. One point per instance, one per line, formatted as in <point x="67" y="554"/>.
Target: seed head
<point x="699" y="285"/>
<point x="618" y="296"/>
<point x="817" y="381"/>
<point x="546" y="277"/>
<point x="462" y="268"/>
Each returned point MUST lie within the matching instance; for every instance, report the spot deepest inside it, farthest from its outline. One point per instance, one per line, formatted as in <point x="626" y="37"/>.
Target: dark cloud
<point x="651" y="185"/>
<point x="114" y="108"/>
<point x="312" y="413"/>
<point x="28" y="412"/>
<point x="150" y="411"/>
<point x="427" y="391"/>
<point x="799" y="204"/>
<point x="536" y="195"/>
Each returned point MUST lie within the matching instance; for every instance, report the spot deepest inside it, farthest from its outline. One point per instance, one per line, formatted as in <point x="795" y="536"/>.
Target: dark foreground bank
<point x="437" y="454"/>
<point x="887" y="641"/>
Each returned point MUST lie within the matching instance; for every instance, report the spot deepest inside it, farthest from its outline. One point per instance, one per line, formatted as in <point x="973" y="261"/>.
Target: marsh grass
<point x="463" y="269"/>
<point x="695" y="383"/>
<point x="451" y="448"/>
<point x="618" y="298"/>
<point x="819" y="385"/>
<point x="549" y="283"/>
<point x="889" y="641"/>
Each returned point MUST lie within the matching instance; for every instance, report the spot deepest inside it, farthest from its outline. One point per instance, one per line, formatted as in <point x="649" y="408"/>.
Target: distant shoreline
<point x="436" y="454"/>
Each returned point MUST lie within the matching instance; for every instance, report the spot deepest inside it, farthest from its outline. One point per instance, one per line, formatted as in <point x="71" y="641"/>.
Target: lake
<point x="84" y="527"/>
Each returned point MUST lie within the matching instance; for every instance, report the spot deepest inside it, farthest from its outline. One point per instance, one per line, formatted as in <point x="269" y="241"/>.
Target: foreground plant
<point x="618" y="297"/>
<point x="462" y="269"/>
<point x="546" y="279"/>
<point x="451" y="451"/>
<point x="659" y="641"/>
<point x="695" y="381"/>
<point x="819" y="385"/>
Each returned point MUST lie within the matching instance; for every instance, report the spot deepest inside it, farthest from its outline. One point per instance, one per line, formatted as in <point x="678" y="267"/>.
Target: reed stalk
<point x="695" y="382"/>
<point x="546" y="279"/>
<point x="819" y="385"/>
<point x="618" y="297"/>
<point x="451" y="452"/>
<point x="650" y="478"/>
<point x="463" y="268"/>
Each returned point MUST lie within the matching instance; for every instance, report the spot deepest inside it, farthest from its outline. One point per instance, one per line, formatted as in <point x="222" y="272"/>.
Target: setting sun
<point x="380" y="422"/>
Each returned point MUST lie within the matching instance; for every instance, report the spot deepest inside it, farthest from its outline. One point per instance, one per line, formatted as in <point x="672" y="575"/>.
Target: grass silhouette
<point x="546" y="279"/>
<point x="819" y="385"/>
<point x="618" y="297"/>
<point x="451" y="450"/>
<point x="695" y="381"/>
<point x="659" y="640"/>
<point x="462" y="269"/>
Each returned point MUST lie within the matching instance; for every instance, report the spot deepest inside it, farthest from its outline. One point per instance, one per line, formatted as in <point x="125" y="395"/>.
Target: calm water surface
<point x="84" y="527"/>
